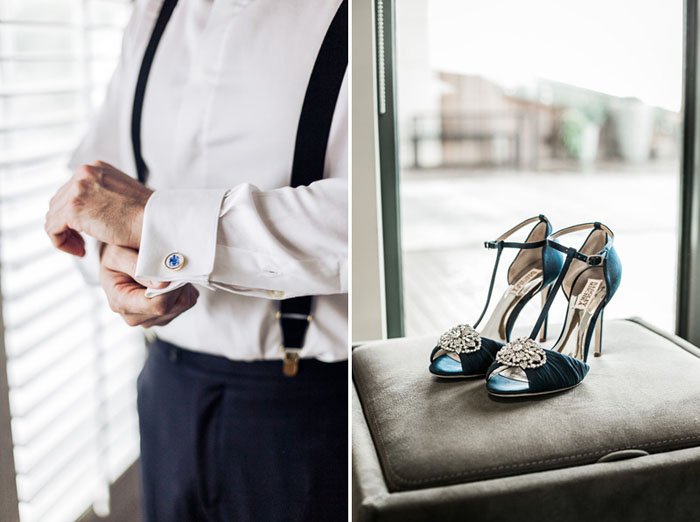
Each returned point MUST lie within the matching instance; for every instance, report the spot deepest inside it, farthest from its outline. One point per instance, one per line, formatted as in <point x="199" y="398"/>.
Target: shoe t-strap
<point x="499" y="244"/>
<point x="570" y="255"/>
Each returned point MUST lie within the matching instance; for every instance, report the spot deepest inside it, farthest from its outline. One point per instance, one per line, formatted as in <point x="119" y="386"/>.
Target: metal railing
<point x="507" y="129"/>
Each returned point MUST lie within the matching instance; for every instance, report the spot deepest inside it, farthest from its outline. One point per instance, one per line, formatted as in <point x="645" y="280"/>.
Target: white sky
<point x="621" y="47"/>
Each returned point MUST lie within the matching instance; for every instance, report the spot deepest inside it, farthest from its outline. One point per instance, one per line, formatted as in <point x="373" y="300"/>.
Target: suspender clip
<point x="290" y="362"/>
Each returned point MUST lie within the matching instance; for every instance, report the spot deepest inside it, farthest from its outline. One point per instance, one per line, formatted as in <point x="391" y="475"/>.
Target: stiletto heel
<point x="544" y="295"/>
<point x="589" y="278"/>
<point x="599" y="335"/>
<point x="463" y="352"/>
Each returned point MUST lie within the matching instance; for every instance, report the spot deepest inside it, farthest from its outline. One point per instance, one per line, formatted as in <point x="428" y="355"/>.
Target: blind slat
<point x="37" y="312"/>
<point x="51" y="466"/>
<point x="28" y="290"/>
<point x="73" y="321"/>
<point x="53" y="58"/>
<point x="29" y="401"/>
<point x="35" y="125"/>
<point x="50" y="88"/>
<point x="57" y="24"/>
<point x="72" y="399"/>
<point x="31" y="455"/>
<point x="54" y="409"/>
<point x="25" y="159"/>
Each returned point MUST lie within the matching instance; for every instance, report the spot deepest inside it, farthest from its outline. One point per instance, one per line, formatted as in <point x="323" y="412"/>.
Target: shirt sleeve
<point x="276" y="244"/>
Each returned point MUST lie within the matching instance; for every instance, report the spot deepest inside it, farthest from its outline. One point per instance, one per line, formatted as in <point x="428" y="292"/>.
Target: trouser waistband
<point x="309" y="369"/>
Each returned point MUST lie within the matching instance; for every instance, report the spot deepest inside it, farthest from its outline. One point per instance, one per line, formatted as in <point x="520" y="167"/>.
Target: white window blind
<point x="71" y="363"/>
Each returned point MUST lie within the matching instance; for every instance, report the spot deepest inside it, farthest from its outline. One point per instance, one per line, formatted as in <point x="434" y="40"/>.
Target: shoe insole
<point x="495" y="327"/>
<point x="582" y="308"/>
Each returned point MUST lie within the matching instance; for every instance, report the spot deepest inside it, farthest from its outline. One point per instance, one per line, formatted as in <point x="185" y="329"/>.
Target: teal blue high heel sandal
<point x="463" y="352"/>
<point x="589" y="278"/>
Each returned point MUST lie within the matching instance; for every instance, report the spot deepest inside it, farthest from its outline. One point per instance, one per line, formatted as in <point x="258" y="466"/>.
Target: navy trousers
<point x="237" y="441"/>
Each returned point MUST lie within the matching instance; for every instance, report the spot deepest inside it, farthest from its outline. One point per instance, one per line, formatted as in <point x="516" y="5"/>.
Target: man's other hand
<point x="127" y="297"/>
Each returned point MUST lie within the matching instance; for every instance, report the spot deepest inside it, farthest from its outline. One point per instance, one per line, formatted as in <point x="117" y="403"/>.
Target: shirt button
<point x="275" y="294"/>
<point x="174" y="261"/>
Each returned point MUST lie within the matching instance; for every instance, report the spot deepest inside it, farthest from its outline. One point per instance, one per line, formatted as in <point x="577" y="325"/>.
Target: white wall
<point x="367" y="264"/>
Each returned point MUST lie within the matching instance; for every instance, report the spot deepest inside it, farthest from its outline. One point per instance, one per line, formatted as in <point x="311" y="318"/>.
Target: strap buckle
<point x="597" y="259"/>
<point x="296" y="317"/>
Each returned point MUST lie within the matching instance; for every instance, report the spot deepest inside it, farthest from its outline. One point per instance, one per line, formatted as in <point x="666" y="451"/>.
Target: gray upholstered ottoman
<point x="623" y="446"/>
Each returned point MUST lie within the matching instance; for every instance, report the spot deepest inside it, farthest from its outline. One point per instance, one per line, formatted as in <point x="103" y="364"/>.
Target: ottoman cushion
<point x="642" y="395"/>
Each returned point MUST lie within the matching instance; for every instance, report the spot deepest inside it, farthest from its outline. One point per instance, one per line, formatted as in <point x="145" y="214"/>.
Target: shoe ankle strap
<point x="499" y="242"/>
<point x="590" y="259"/>
<point x="571" y="254"/>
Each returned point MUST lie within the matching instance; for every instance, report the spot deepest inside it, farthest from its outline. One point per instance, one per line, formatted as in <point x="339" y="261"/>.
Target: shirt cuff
<point x="89" y="265"/>
<point x="178" y="239"/>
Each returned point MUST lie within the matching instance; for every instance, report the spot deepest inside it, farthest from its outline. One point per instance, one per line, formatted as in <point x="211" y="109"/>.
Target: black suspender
<point x="309" y="159"/>
<point x="166" y="12"/>
<point x="309" y="152"/>
<point x="319" y="102"/>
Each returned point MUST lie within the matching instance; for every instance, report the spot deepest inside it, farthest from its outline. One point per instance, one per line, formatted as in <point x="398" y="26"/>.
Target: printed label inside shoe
<point x="585" y="298"/>
<point x="521" y="285"/>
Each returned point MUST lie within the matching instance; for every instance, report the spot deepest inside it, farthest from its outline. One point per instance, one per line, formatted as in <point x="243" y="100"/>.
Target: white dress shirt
<point x="219" y="123"/>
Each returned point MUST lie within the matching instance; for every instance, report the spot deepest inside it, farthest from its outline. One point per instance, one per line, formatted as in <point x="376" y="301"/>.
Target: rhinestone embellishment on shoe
<point x="460" y="339"/>
<point x="522" y="353"/>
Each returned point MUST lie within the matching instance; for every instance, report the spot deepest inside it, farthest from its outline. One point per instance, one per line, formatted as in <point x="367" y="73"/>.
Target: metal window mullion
<point x="688" y="295"/>
<point x="9" y="502"/>
<point x="388" y="165"/>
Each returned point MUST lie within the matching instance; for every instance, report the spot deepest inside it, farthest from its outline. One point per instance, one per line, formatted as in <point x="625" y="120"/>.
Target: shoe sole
<point x="535" y="394"/>
<point x="458" y="376"/>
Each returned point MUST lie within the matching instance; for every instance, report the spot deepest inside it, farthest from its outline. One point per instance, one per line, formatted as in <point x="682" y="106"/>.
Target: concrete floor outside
<point x="448" y="214"/>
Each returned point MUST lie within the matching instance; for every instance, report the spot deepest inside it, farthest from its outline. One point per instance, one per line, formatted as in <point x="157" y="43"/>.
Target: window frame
<point x="688" y="275"/>
<point x="388" y="153"/>
<point x="688" y="285"/>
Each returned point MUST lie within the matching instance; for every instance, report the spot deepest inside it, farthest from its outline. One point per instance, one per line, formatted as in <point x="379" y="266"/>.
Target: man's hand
<point x="127" y="297"/>
<point x="101" y="201"/>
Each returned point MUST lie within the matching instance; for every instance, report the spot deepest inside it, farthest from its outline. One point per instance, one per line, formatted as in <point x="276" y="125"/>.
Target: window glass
<point x="510" y="109"/>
